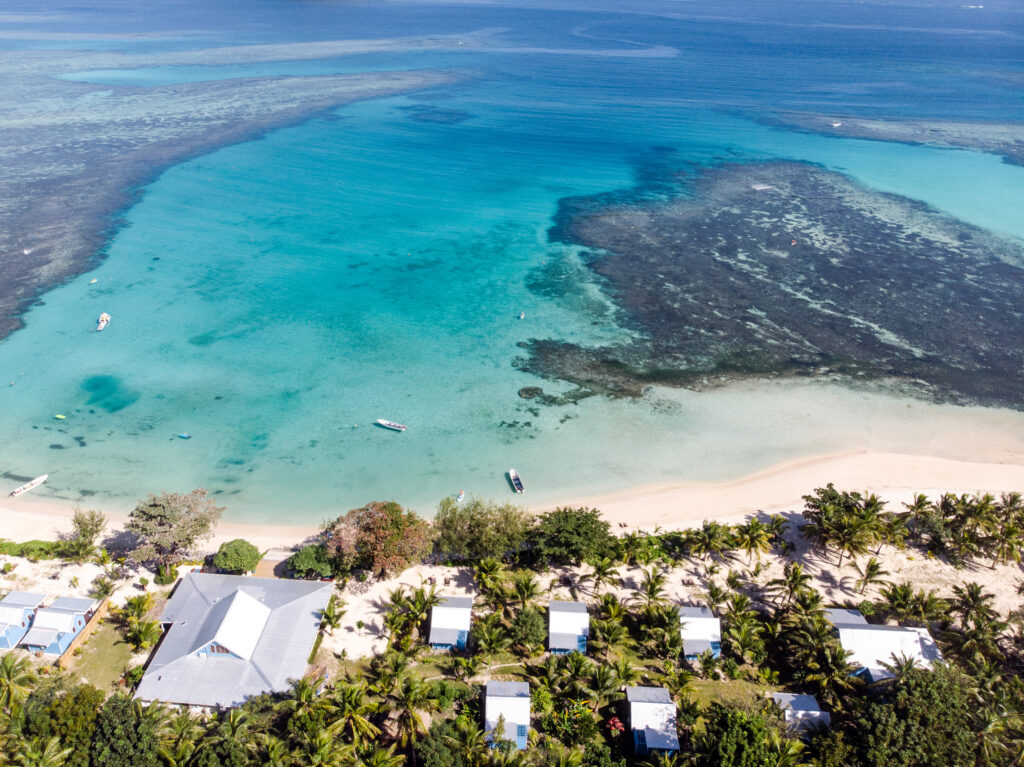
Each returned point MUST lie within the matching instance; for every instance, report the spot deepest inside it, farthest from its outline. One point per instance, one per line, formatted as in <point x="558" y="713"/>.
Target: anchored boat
<point x="29" y="485"/>
<point x="392" y="425"/>
<point x="517" y="482"/>
<point x="104" y="321"/>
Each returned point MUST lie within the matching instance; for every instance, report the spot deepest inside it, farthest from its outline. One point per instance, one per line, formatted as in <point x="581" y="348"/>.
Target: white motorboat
<point x="29" y="485"/>
<point x="517" y="482"/>
<point x="392" y="425"/>
<point x="104" y="321"/>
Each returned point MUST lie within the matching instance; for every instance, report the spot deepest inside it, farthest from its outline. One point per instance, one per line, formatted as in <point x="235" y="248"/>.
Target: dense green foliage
<point x="381" y="538"/>
<point x="310" y="562"/>
<point x="572" y="536"/>
<point x="237" y="556"/>
<point x="67" y="714"/>
<point x="734" y="738"/>
<point x="124" y="736"/>
<point x="167" y="526"/>
<point x="477" y="529"/>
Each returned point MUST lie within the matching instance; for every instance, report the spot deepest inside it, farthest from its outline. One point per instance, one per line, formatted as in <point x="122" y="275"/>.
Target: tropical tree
<point x="793" y="581"/>
<point x="871" y="573"/>
<point x="143" y="634"/>
<point x="525" y="587"/>
<point x="237" y="556"/>
<point x="323" y="750"/>
<point x="753" y="537"/>
<point x="167" y="526"/>
<point x="87" y="527"/>
<point x="603" y="573"/>
<point x="330" y="617"/>
<point x="652" y="588"/>
<point x="39" y="753"/>
<point x="407" y="703"/>
<point x="16" y="680"/>
<point x="352" y="714"/>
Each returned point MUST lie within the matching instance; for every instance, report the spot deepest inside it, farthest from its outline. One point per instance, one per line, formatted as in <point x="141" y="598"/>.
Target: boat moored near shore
<point x="516" y="481"/>
<point x="104" y="321"/>
<point x="29" y="486"/>
<point x="392" y="425"/>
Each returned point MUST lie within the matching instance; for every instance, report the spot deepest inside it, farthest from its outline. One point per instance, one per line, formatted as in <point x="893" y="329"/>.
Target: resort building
<point x="871" y="647"/>
<point x="55" y="627"/>
<point x="509" y="704"/>
<point x="16" y="612"/>
<point x="652" y="719"/>
<point x="701" y="632"/>
<point x="801" y="711"/>
<point x="449" y="623"/>
<point x="568" y="627"/>
<point x="230" y="637"/>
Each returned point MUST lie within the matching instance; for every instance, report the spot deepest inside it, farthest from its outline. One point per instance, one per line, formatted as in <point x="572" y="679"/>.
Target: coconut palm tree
<point x="408" y="702"/>
<point x="135" y="608"/>
<point x="385" y="671"/>
<point x="871" y="573"/>
<point x="711" y="540"/>
<point x="1006" y="543"/>
<point x="471" y="741"/>
<point x="625" y="670"/>
<point x="382" y="757"/>
<point x="793" y="581"/>
<point x="330" y="617"/>
<point x="143" y="634"/>
<point x="271" y="751"/>
<point x="322" y="750"/>
<point x="492" y="638"/>
<point x="652" y="588"/>
<point x="16" y="680"/>
<point x="303" y="698"/>
<point x="525" y="588"/>
<point x="742" y="636"/>
<point x="466" y="667"/>
<point x="352" y="711"/>
<point x="604" y="685"/>
<point x="576" y="674"/>
<point x="608" y="637"/>
<point x="36" y="752"/>
<point x="830" y="674"/>
<point x="754" y="538"/>
<point x="973" y="605"/>
<point x="612" y="608"/>
<point x="604" y="573"/>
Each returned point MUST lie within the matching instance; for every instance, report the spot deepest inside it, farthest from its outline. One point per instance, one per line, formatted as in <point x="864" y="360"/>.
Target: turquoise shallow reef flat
<point x="273" y="298"/>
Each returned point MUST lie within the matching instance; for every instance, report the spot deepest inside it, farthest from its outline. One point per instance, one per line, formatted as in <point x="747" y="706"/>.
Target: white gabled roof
<point x="236" y="623"/>
<point x="699" y="623"/>
<point x="651" y="709"/>
<point x="453" y="613"/>
<point x="11" y="615"/>
<point x="871" y="646"/>
<point x="22" y="599"/>
<point x="567" y="618"/>
<point x="57" y="620"/>
<point x="509" y="701"/>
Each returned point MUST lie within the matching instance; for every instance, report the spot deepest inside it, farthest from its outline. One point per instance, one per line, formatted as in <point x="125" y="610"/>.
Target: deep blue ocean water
<point x="273" y="298"/>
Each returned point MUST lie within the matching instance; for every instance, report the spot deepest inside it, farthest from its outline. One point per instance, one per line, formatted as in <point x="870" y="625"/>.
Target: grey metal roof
<point x="466" y="602"/>
<point x="564" y="641"/>
<point x="842" y="616"/>
<point x="439" y="635"/>
<point x="39" y="637"/>
<point x="72" y="604"/>
<point x="567" y="607"/>
<point x="695" y="612"/>
<point x="176" y="674"/>
<point x="648" y="695"/>
<point x="696" y="646"/>
<point x="796" y="701"/>
<point x="508" y="689"/>
<point x="22" y="599"/>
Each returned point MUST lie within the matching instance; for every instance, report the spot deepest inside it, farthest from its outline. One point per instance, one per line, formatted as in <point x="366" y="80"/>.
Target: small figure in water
<point x="522" y="315"/>
<point x="461" y="496"/>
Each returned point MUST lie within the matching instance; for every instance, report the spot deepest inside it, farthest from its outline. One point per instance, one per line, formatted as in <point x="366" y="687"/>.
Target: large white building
<point x="229" y="637"/>
<point x="871" y="647"/>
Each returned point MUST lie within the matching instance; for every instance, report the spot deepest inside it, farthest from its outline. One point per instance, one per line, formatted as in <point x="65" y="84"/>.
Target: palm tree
<point x="381" y="757"/>
<point x="271" y="751"/>
<point x="831" y="674"/>
<point x="135" y="608"/>
<point x="604" y="685"/>
<point x="576" y="672"/>
<point x="353" y="711"/>
<point x="466" y="667"/>
<point x="143" y="634"/>
<point x="652" y="588"/>
<point x="471" y="741"/>
<point x="870" y="574"/>
<point x="322" y="750"/>
<point x="608" y="636"/>
<point x="612" y="608"/>
<point x="488" y="571"/>
<point x="303" y="697"/>
<point x="605" y="573"/>
<point x="330" y="617"/>
<point x="793" y="581"/>
<point x="410" y="699"/>
<point x="16" y="681"/>
<point x="39" y="753"/>
<point x="754" y="538"/>
<point x="625" y="670"/>
<point x="1006" y="544"/>
<point x="973" y="605"/>
<point x="525" y="588"/>
<point x="712" y="539"/>
<point x="385" y="671"/>
<point x="743" y="636"/>
<point x="491" y="639"/>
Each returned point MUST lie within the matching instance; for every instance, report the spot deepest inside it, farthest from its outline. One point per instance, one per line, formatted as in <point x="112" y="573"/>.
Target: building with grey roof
<point x="873" y="647"/>
<point x="701" y="632"/>
<point x="449" y="623"/>
<point x="230" y="637"/>
<point x="55" y="627"/>
<point x="508" y="703"/>
<point x="568" y="627"/>
<point x="801" y="711"/>
<point x="16" y="612"/>
<point x="652" y="719"/>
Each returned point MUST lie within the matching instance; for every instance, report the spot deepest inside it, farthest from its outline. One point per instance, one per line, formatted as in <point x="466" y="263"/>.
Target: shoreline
<point x="895" y="477"/>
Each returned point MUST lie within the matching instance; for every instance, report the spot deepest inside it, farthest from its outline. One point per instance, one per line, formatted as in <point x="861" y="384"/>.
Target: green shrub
<point x="310" y="562"/>
<point x="237" y="556"/>
<point x="166" y="575"/>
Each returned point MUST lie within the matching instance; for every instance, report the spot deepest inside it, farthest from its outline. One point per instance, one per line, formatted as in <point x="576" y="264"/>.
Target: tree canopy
<point x="237" y="556"/>
<point x="477" y="529"/>
<point x="380" y="537"/>
<point x="167" y="526"/>
<point x="571" y="536"/>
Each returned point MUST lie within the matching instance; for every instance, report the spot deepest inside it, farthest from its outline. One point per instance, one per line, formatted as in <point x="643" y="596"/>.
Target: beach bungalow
<point x="55" y="626"/>
<point x="230" y="637"/>
<point x="568" y="627"/>
<point x="509" y="704"/>
<point x="449" y="623"/>
<point x="701" y="632"/>
<point x="801" y="712"/>
<point x="872" y="646"/>
<point x="652" y="720"/>
<point x="16" y="612"/>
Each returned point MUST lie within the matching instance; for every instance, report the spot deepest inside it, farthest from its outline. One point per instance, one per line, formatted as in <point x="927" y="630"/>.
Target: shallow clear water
<point x="273" y="298"/>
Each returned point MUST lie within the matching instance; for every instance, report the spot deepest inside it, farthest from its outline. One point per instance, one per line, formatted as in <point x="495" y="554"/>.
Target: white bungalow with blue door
<point x="16" y="612"/>
<point x="652" y="720"/>
<point x="701" y="632"/>
<point x="507" y="704"/>
<point x="568" y="627"/>
<point x="55" y="627"/>
<point x="449" y="623"/>
<point x="872" y="648"/>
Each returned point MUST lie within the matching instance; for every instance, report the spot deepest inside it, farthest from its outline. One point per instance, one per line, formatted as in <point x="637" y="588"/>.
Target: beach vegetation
<point x="478" y="529"/>
<point x="87" y="527"/>
<point x="310" y="562"/>
<point x="568" y="536"/>
<point x="237" y="556"/>
<point x="381" y="538"/>
<point x="167" y="526"/>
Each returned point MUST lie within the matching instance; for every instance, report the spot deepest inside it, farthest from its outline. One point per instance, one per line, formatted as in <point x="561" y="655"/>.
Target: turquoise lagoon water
<point x="273" y="298"/>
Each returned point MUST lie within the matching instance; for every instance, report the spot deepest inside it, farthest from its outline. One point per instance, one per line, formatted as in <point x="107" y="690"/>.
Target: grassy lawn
<point x="103" y="657"/>
<point x="705" y="692"/>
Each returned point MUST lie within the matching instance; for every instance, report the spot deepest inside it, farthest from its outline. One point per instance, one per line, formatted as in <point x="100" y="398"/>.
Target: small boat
<point x="392" y="425"/>
<point x="104" y="321"/>
<point x="522" y="315"/>
<point x="60" y="416"/>
<point x="184" y="435"/>
<point x="29" y="486"/>
<point x="517" y="483"/>
<point x="93" y="281"/>
<point x="462" y="495"/>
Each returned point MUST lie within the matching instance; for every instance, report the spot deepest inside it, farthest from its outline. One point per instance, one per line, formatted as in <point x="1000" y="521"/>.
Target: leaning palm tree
<point x="754" y="538"/>
<point x="16" y="680"/>
<point x="36" y="752"/>
<point x="870" y="574"/>
<point x="973" y="605"/>
<point x="652" y="588"/>
<point x="793" y="581"/>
